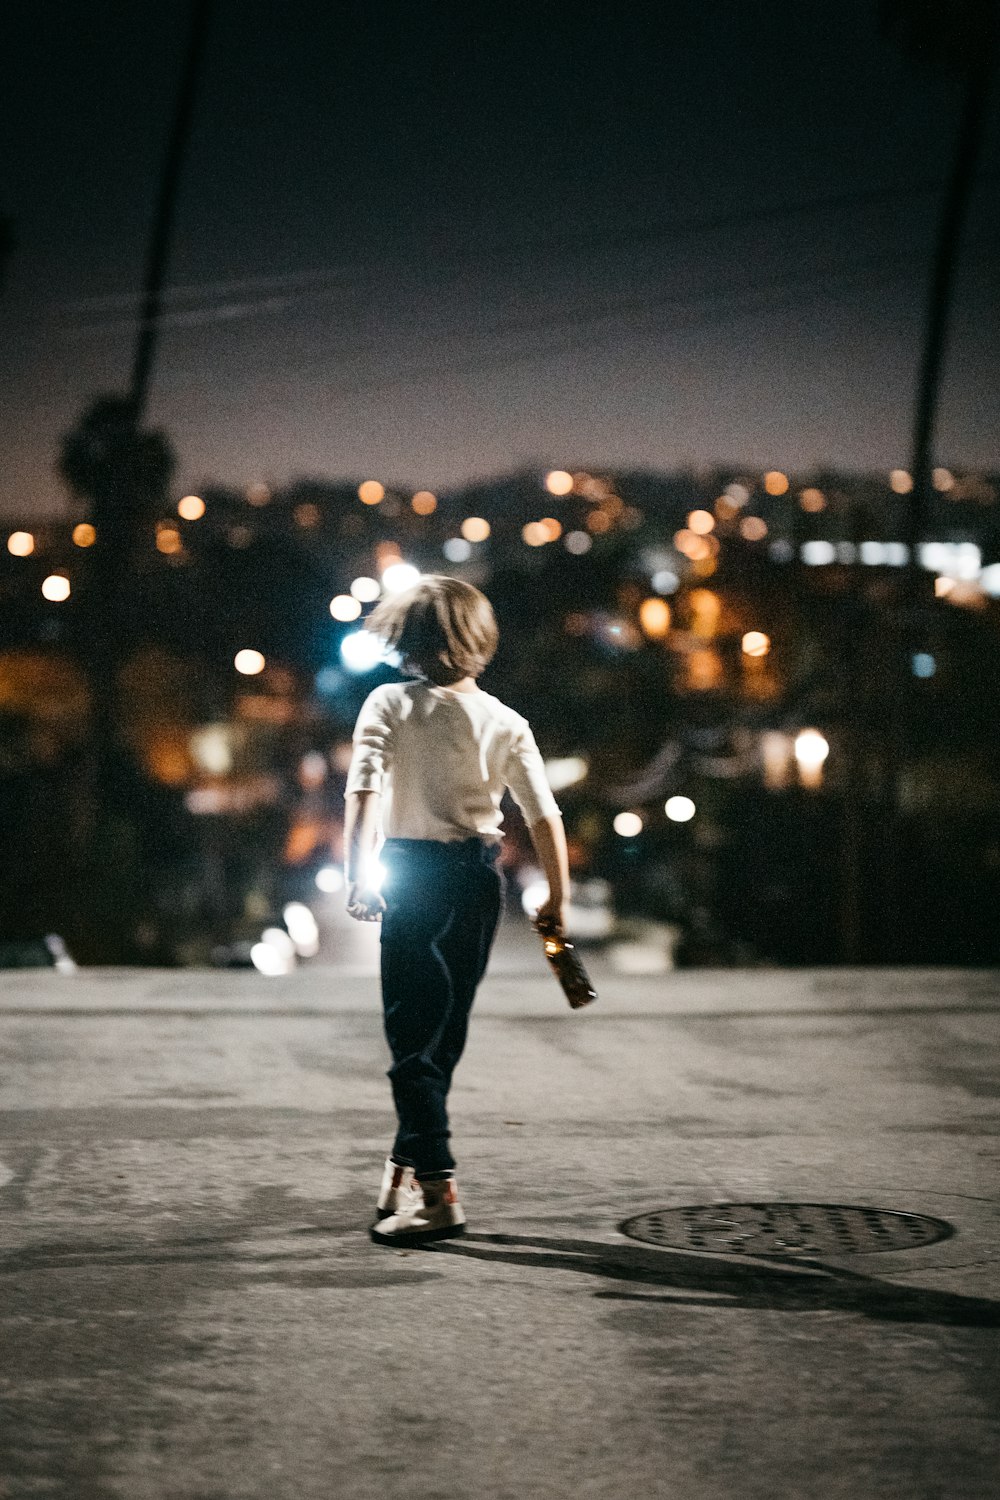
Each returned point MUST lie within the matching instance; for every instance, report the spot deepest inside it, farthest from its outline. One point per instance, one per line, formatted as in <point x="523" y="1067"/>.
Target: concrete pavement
<point x="190" y="1308"/>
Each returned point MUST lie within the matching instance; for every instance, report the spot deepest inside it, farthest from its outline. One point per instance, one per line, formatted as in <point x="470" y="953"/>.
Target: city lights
<point x="56" y="588"/>
<point x="191" y="508"/>
<point x="475" y="529"/>
<point x="756" y="643"/>
<point x="628" y="825"/>
<point x="361" y="651"/>
<point x="345" y="607"/>
<point x="679" y="809"/>
<point x="20" y="544"/>
<point x="811" y="751"/>
<point x="535" y="534"/>
<point x="654" y="617"/>
<point x="456" y="549"/>
<point x="900" y="481"/>
<point x="776" y="483"/>
<point x="249" y="662"/>
<point x="753" y="528"/>
<point x="558" y="482"/>
<point x="366" y="589"/>
<point x="943" y="480"/>
<point x="812" y="501"/>
<point x="424" y="503"/>
<point x="307" y="515"/>
<point x="817" y="553"/>
<point x="371" y="492"/>
<point x="399" y="576"/>
<point x="552" y="528"/>
<point x="168" y="540"/>
<point x="701" y="522"/>
<point x="84" y="535"/>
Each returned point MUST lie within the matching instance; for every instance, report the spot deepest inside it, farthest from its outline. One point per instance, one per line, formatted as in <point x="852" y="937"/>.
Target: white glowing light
<point x="565" y="771"/>
<point x="665" y="581"/>
<point x="345" y="607"/>
<point x="534" y="893"/>
<point x="679" y="809"/>
<point x="817" y="554"/>
<point x="330" y="879"/>
<point x="56" y="588"/>
<point x="361" y="651"/>
<point x="577" y="543"/>
<point x="302" y="929"/>
<point x="558" y="482"/>
<point x="811" y="749"/>
<point x="249" y="663"/>
<point x="958" y="559"/>
<point x="628" y="825"/>
<point x="273" y="961"/>
<point x="990" y="580"/>
<point x="366" y="589"/>
<point x="211" y="749"/>
<point x="457" y="549"/>
<point x="399" y="576"/>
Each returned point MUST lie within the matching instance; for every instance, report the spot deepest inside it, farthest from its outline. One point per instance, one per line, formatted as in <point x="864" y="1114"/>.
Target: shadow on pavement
<point x="803" y="1287"/>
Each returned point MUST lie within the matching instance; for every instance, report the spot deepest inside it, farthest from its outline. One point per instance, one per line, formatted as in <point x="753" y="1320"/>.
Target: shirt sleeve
<point x="373" y="744"/>
<point x="524" y="773"/>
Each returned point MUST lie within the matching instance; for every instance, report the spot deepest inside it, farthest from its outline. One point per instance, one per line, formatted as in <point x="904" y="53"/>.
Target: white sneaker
<point x="399" y="1192"/>
<point x="439" y="1217"/>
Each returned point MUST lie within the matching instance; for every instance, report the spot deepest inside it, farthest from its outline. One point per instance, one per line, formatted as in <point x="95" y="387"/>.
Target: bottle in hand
<point x="566" y="966"/>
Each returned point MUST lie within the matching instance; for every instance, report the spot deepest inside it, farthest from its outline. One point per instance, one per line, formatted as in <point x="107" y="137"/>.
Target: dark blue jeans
<point x="443" y="902"/>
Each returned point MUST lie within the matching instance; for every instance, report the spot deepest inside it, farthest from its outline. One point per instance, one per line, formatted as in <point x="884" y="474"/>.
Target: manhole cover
<point x="785" y="1229"/>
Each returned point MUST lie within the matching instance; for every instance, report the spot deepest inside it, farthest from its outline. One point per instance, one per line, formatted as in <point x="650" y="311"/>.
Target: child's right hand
<point x="364" y="905"/>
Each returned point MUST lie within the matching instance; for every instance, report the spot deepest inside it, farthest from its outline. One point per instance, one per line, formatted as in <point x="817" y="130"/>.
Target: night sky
<point x="434" y="242"/>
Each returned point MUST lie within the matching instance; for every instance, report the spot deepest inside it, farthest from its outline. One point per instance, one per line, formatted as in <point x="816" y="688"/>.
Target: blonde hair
<point x="443" y="629"/>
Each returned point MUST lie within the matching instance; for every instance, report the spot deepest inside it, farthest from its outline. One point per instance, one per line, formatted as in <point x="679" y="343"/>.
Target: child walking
<point x="432" y="758"/>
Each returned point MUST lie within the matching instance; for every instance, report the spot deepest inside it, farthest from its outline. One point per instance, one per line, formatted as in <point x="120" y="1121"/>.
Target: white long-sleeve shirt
<point x="441" y="760"/>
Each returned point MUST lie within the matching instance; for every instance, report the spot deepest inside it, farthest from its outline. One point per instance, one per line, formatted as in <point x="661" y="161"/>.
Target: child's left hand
<point x="364" y="905"/>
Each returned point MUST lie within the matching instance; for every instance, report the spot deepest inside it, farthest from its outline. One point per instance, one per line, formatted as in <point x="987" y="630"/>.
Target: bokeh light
<point x="424" y="503"/>
<point x="361" y="651"/>
<point x="534" y="534"/>
<point x="628" y="825"/>
<point x="56" y="588"/>
<point x="812" y="501"/>
<point x="345" y="607"/>
<point x="371" y="492"/>
<point x="654" y="617"/>
<point x="558" y="482"/>
<point x="679" y="809"/>
<point x="900" y="481"/>
<point x="84" y="535"/>
<point x="399" y="576"/>
<point x="701" y="522"/>
<point x="552" y="527"/>
<point x="577" y="542"/>
<point x="756" y="643"/>
<point x="191" y="508"/>
<point x="249" y="662"/>
<point x="943" y="480"/>
<point x="475" y="529"/>
<point x="366" y="589"/>
<point x="775" y="483"/>
<point x="20" y="544"/>
<point x="168" y="541"/>
<point x="753" y="528"/>
<point x="456" y="549"/>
